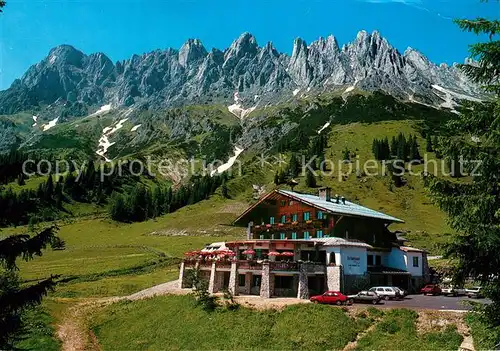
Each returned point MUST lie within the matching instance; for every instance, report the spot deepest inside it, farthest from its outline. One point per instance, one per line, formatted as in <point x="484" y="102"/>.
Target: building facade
<point x="300" y="244"/>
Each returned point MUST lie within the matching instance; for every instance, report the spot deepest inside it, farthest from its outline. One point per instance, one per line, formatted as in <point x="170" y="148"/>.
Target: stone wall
<point x="248" y="283"/>
<point x="303" y="289"/>
<point x="334" y="278"/>
<point x="267" y="283"/>
<point x="233" y="279"/>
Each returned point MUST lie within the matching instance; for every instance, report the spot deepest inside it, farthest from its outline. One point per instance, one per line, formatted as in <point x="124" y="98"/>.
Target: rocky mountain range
<point x="259" y="74"/>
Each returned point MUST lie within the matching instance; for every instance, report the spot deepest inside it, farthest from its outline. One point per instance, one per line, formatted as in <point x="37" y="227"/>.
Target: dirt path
<point x="72" y="330"/>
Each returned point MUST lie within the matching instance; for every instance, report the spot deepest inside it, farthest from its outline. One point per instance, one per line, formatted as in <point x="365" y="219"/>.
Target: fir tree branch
<point x="24" y="246"/>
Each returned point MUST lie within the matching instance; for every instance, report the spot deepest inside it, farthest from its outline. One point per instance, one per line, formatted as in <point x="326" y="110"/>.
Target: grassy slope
<point x="296" y="327"/>
<point x="97" y="248"/>
<point x="397" y="330"/>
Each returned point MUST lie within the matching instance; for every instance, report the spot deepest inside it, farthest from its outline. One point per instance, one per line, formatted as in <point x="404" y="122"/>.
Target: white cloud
<point x="418" y="4"/>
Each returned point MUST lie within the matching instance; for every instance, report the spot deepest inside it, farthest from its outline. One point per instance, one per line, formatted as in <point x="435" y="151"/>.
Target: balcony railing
<point x="250" y="265"/>
<point x="223" y="264"/>
<point x="283" y="266"/>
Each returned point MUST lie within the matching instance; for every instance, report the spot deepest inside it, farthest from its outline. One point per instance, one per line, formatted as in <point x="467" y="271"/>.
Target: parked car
<point x="330" y="297"/>
<point x="402" y="292"/>
<point x="365" y="297"/>
<point x="453" y="291"/>
<point x="476" y="292"/>
<point x="387" y="292"/>
<point x="431" y="289"/>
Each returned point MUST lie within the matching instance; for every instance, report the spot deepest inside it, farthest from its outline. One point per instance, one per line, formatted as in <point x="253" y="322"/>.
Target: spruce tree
<point x="16" y="298"/>
<point x="428" y="140"/>
<point x="474" y="207"/>
<point x="310" y="179"/>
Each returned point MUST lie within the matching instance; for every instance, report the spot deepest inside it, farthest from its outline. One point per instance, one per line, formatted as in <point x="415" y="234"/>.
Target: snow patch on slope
<point x="50" y="125"/>
<point x="327" y="124"/>
<point x="229" y="163"/>
<point x="104" y="143"/>
<point x="348" y="89"/>
<point x="296" y="91"/>
<point x="53" y="59"/>
<point x="134" y="128"/>
<point x="102" y="110"/>
<point x="450" y="96"/>
<point x="238" y="110"/>
<point x="35" y="118"/>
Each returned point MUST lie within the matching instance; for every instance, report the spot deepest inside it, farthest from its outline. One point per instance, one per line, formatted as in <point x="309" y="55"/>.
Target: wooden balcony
<point x="250" y="265"/>
<point x="290" y="226"/>
<point x="284" y="266"/>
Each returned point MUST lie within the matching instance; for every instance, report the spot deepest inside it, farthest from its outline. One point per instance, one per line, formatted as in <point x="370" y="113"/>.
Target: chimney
<point x="343" y="200"/>
<point x="325" y="193"/>
<point x="337" y="198"/>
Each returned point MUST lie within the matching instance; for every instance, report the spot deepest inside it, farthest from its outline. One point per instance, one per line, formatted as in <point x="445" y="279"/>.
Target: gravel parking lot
<point x="460" y="303"/>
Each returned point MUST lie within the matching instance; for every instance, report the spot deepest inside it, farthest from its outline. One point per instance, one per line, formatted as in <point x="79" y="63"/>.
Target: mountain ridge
<point x="193" y="74"/>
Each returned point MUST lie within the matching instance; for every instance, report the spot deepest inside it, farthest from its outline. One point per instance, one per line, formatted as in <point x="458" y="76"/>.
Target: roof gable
<point x="349" y="209"/>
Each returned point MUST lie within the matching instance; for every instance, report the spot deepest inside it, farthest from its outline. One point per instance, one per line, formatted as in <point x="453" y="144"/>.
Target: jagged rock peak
<point x="192" y="50"/>
<point x="245" y="44"/>
<point x="66" y="54"/>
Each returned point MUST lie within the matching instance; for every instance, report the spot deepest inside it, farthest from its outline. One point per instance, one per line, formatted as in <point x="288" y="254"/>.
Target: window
<point x="307" y="216"/>
<point x="283" y="282"/>
<point x="415" y="261"/>
<point x="283" y="219"/>
<point x="282" y="236"/>
<point x="294" y="236"/>
<point x="256" y="279"/>
<point x="378" y="260"/>
<point x="319" y="214"/>
<point x="306" y="235"/>
<point x="319" y="233"/>
<point x="258" y="253"/>
<point x="347" y="234"/>
<point x="271" y="220"/>
<point x="283" y="203"/>
<point x="290" y="203"/>
<point x="294" y="217"/>
<point x="370" y="260"/>
<point x="241" y="279"/>
<point x="388" y="289"/>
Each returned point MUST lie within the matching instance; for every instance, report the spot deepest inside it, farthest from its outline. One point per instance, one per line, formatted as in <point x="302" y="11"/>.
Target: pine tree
<point x="224" y="190"/>
<point x="346" y="155"/>
<point x="428" y="147"/>
<point x="294" y="166"/>
<point x="414" y="150"/>
<point x="474" y="207"/>
<point x="49" y="188"/>
<point x="15" y="298"/>
<point x="310" y="179"/>
<point x="394" y="146"/>
<point x="20" y="180"/>
<point x="401" y="148"/>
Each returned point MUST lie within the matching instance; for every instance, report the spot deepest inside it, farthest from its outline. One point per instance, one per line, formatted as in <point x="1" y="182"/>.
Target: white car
<point x="387" y="292"/>
<point x="452" y="291"/>
<point x="476" y="292"/>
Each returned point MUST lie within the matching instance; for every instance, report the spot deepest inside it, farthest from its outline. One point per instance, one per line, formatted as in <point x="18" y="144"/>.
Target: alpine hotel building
<point x="300" y="244"/>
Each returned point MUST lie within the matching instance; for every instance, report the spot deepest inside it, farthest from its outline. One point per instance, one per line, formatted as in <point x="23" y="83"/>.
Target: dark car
<point x="365" y="297"/>
<point x="431" y="289"/>
<point x="330" y="297"/>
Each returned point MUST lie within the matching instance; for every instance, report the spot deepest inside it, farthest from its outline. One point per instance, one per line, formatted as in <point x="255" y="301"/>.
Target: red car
<point x="431" y="289"/>
<point x="330" y="297"/>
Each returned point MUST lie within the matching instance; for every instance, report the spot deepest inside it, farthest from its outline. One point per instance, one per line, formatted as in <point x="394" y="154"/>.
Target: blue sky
<point x="120" y="28"/>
